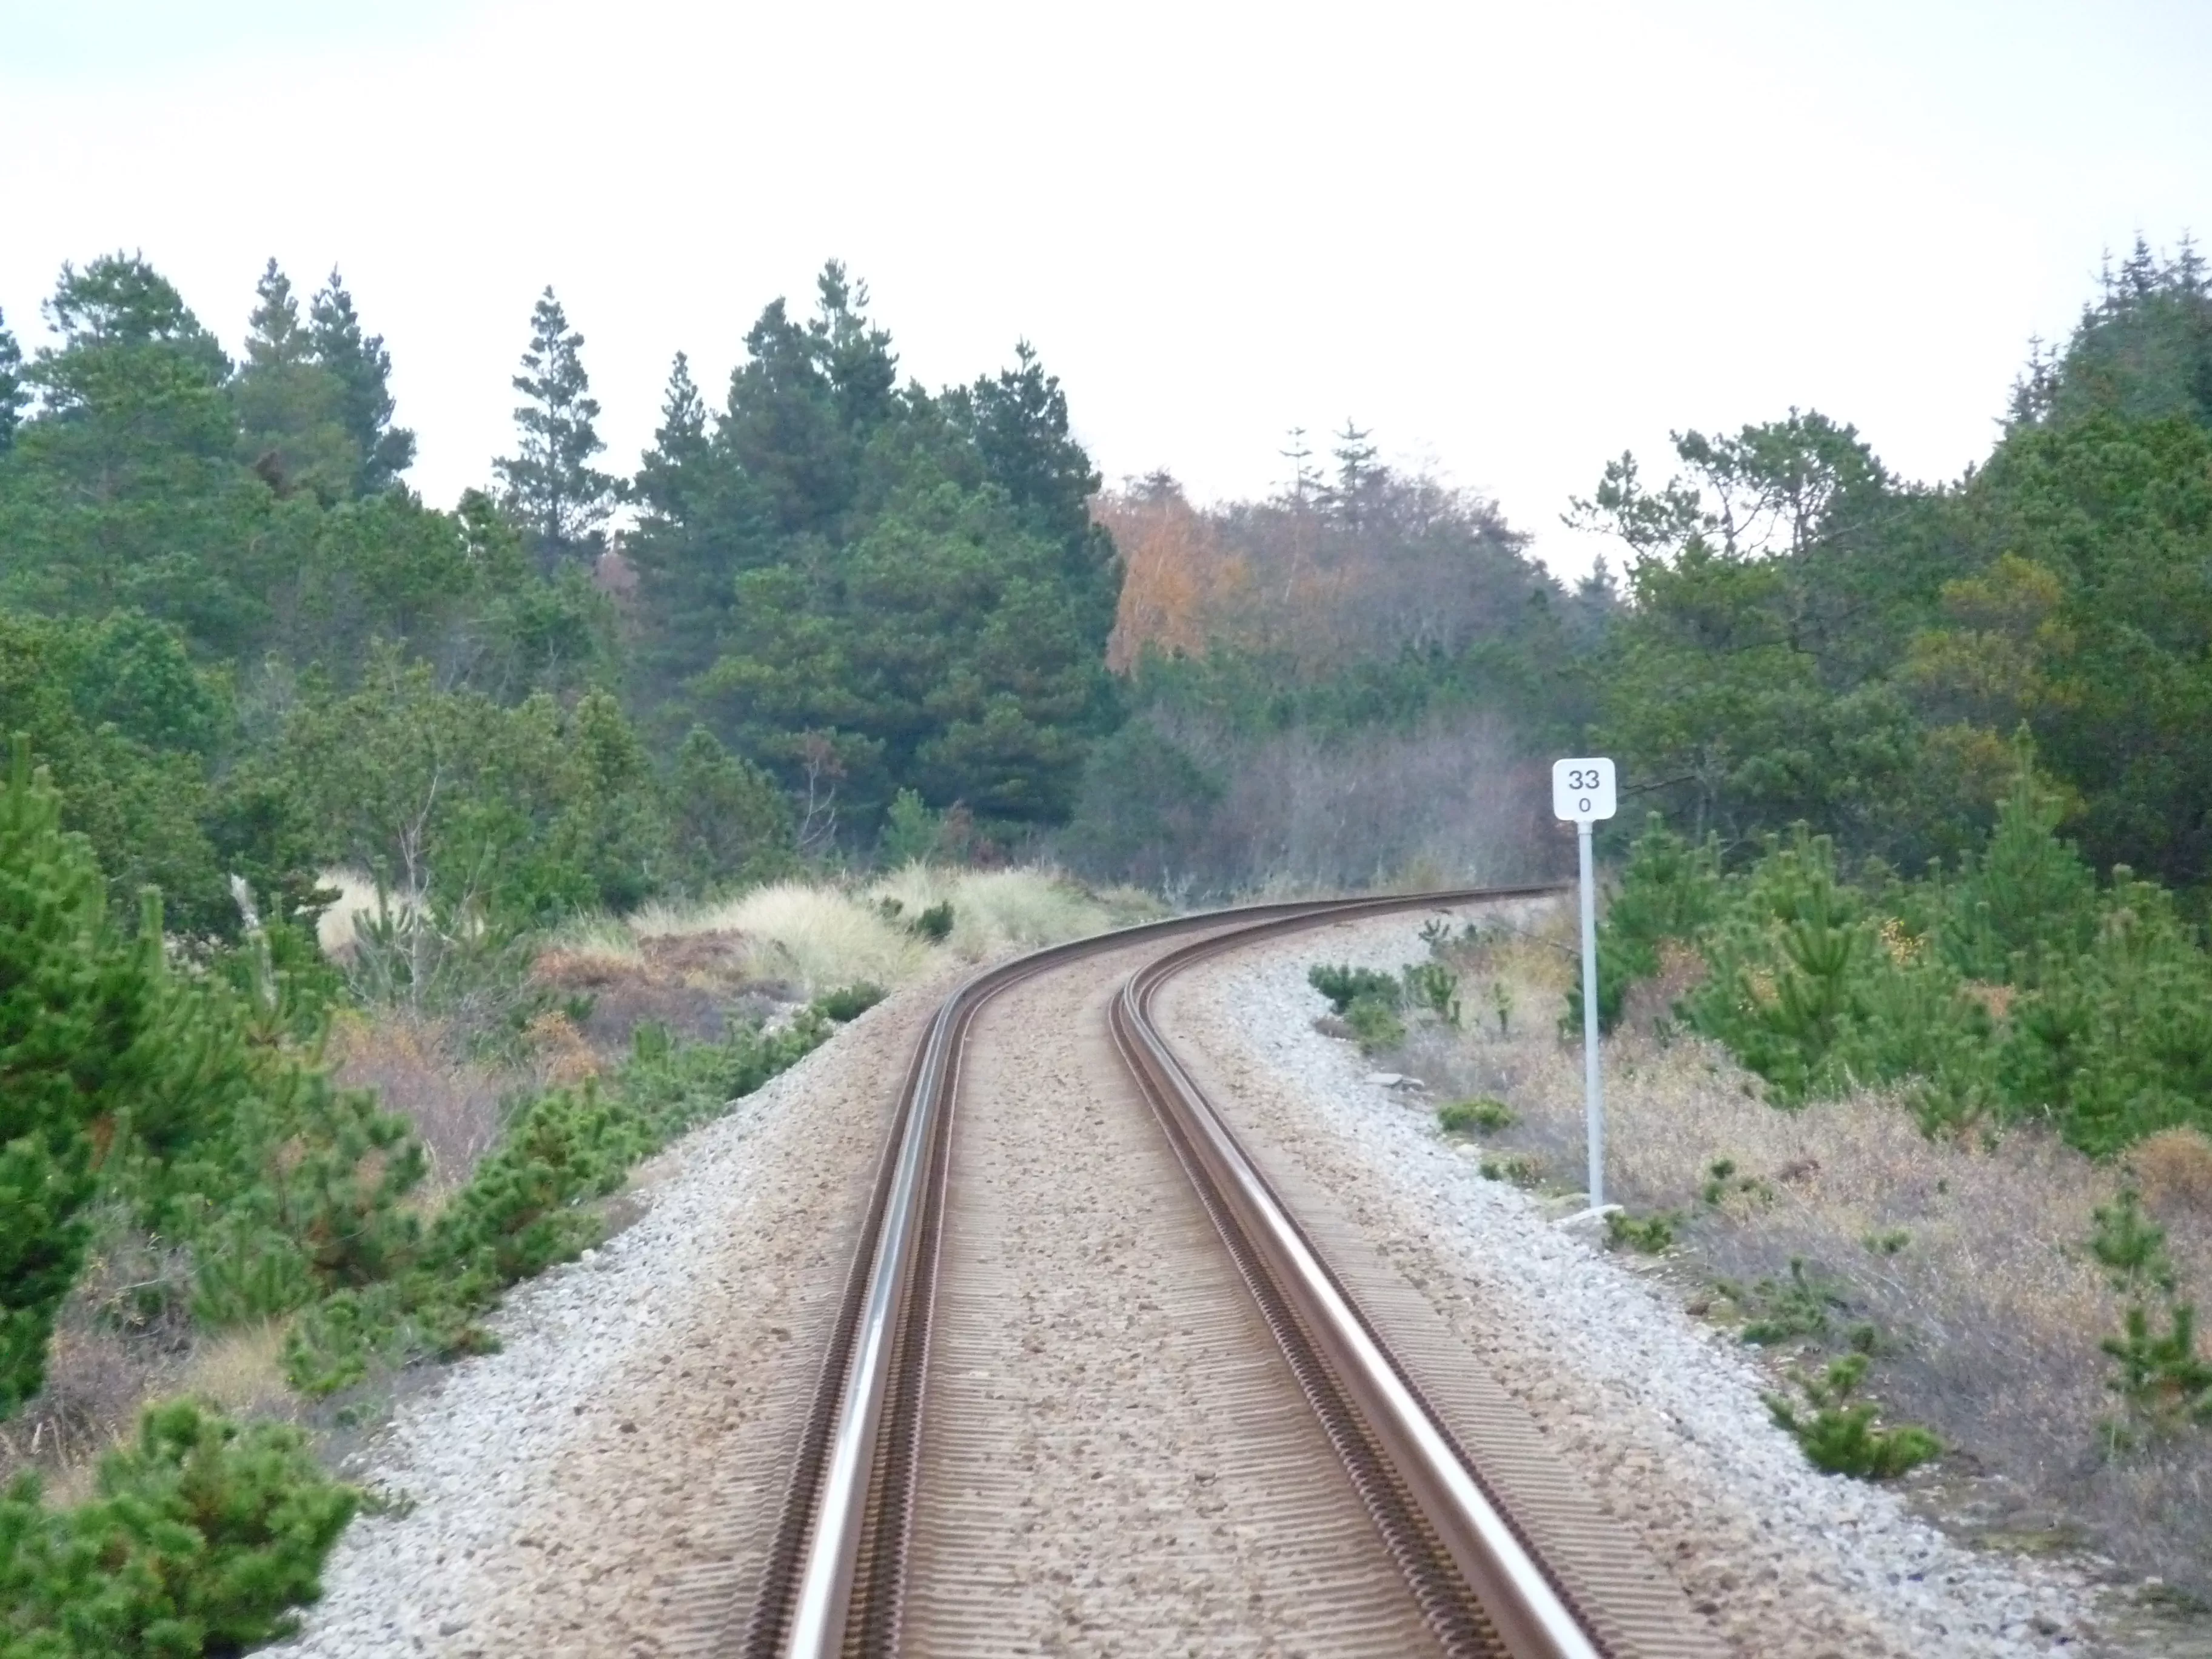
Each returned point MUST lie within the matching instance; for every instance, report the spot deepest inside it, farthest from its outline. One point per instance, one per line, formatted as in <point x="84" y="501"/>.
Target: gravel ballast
<point x="1661" y="1415"/>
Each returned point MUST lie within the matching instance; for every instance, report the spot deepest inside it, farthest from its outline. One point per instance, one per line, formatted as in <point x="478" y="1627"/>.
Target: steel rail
<point x="804" y="1608"/>
<point x="1529" y="1610"/>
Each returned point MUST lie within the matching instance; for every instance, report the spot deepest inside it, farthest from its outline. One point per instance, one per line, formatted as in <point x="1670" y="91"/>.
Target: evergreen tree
<point x="363" y="368"/>
<point x="13" y="393"/>
<point x="1357" y="475"/>
<point x="673" y="466"/>
<point x="551" y="486"/>
<point x="75" y="1002"/>
<point x="293" y="409"/>
<point x="126" y="489"/>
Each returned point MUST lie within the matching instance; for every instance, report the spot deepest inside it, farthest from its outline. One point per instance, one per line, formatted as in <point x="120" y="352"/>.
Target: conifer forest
<point x="1919" y="774"/>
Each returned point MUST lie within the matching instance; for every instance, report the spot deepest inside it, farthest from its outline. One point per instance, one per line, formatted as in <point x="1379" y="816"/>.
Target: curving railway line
<point x="1407" y="1507"/>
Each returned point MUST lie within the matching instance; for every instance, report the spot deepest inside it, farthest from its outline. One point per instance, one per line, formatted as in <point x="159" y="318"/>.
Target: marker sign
<point x="1582" y="790"/>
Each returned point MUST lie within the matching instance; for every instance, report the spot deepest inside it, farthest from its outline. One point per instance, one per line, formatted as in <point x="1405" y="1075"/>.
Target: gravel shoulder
<point x="603" y="1484"/>
<point x="1662" y="1416"/>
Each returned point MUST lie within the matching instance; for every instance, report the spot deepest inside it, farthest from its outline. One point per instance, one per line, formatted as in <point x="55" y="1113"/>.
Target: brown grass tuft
<point x="563" y="1056"/>
<point x="2174" y="1167"/>
<point x="415" y="1066"/>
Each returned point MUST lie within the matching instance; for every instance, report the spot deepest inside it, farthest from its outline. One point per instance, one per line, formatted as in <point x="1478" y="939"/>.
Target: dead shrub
<point x="559" y="1051"/>
<point x="2173" y="1170"/>
<point x="415" y="1066"/>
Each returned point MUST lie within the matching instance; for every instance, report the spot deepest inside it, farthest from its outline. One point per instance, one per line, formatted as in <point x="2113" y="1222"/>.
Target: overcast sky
<point x="1512" y="239"/>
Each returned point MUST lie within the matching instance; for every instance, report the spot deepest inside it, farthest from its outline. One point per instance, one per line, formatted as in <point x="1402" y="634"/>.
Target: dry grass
<point x="1967" y="1258"/>
<point x="2174" y="1169"/>
<point x="809" y="938"/>
<point x="357" y="896"/>
<point x="813" y="938"/>
<point x="240" y="1372"/>
<point x="995" y="911"/>
<point x="416" y="1066"/>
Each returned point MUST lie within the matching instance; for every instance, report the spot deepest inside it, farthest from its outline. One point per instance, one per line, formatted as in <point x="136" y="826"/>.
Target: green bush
<point x="1517" y="1167"/>
<point x="2163" y="1384"/>
<point x="1669" y="889"/>
<point x="850" y="1002"/>
<point x="80" y="1024"/>
<point x="1344" y="986"/>
<point x="1780" y="1312"/>
<point x="1375" y="1024"/>
<point x="934" y="924"/>
<point x="1646" y="1235"/>
<point x="2012" y="987"/>
<point x="1464" y="1118"/>
<point x="201" y="1538"/>
<point x="1841" y="1438"/>
<point x="531" y="1202"/>
<point x="1432" y="986"/>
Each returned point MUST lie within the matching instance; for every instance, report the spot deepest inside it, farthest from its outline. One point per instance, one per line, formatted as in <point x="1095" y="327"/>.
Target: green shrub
<point x="201" y="1539"/>
<point x="81" y="1047"/>
<point x="2009" y="988"/>
<point x="531" y="1202"/>
<point x="1344" y="986"/>
<point x="1519" y="1168"/>
<point x="1432" y="986"/>
<point x="1670" y="890"/>
<point x="1463" y="1117"/>
<point x="1785" y="1312"/>
<point x="1375" y="1024"/>
<point x="1476" y="1116"/>
<point x="934" y="924"/>
<point x="850" y="1002"/>
<point x="2163" y="1384"/>
<point x="1646" y="1235"/>
<point x="1840" y="1437"/>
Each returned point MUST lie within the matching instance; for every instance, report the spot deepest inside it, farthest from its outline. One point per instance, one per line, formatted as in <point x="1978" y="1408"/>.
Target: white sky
<point x="1511" y="238"/>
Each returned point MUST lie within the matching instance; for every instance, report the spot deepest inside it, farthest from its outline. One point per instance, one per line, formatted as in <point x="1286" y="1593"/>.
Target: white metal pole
<point x="1592" y="1092"/>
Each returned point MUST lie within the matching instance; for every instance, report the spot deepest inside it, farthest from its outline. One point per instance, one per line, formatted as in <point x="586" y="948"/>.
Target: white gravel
<point x="1611" y="1358"/>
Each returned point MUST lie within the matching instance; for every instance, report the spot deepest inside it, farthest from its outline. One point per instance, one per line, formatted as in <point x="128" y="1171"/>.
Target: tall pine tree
<point x="292" y="409"/>
<point x="552" y="488"/>
<point x="74" y="1006"/>
<point x="363" y="368"/>
<point x="13" y="395"/>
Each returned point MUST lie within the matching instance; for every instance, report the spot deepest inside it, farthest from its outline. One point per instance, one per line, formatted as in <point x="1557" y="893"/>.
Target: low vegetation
<point x="1922" y="1282"/>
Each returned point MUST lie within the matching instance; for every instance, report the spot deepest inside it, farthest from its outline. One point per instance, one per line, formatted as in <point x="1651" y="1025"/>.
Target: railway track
<point x="1465" y="1551"/>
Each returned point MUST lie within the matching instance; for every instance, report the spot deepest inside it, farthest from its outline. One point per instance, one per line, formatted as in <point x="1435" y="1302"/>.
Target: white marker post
<point x="1583" y="792"/>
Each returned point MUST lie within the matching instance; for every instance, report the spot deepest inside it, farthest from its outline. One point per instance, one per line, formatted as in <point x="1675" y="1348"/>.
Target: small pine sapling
<point x="1343" y="986"/>
<point x="1465" y="1117"/>
<point x="1432" y="986"/>
<point x="1647" y="1235"/>
<point x="1840" y="1436"/>
<point x="2164" y="1386"/>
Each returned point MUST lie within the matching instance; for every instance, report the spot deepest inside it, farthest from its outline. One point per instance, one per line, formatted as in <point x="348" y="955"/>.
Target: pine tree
<point x="291" y="408"/>
<point x="551" y="486"/>
<point x="363" y="368"/>
<point x="1304" y="479"/>
<point x="74" y="1003"/>
<point x="679" y="448"/>
<point x="1357" y="474"/>
<point x="13" y="394"/>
